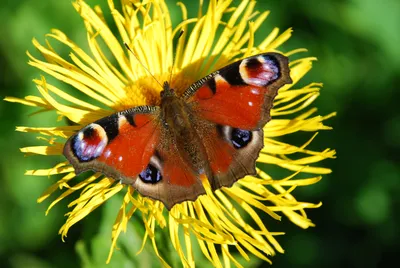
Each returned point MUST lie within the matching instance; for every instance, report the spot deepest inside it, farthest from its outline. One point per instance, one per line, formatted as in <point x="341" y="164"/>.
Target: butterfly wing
<point x="119" y="145"/>
<point x="236" y="102"/>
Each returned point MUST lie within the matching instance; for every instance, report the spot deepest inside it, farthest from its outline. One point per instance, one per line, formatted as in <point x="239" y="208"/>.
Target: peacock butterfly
<point x="214" y="129"/>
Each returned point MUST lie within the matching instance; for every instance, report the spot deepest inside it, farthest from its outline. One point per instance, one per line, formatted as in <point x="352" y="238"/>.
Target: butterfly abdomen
<point x="178" y="128"/>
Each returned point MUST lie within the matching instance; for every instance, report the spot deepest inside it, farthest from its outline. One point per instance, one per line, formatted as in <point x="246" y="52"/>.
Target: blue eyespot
<point x="89" y="143"/>
<point x="150" y="174"/>
<point x="240" y="138"/>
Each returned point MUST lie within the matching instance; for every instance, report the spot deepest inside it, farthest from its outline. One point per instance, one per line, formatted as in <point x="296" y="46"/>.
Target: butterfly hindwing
<point x="232" y="153"/>
<point x="178" y="180"/>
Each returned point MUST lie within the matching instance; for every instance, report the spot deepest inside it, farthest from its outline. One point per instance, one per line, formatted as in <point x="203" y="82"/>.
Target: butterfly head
<point x="167" y="91"/>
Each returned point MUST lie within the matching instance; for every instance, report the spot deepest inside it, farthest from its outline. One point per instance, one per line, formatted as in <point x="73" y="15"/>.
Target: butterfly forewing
<point x="119" y="145"/>
<point x="241" y="94"/>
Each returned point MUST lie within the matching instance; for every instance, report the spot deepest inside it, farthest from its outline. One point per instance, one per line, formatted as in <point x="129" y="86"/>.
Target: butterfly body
<point x="213" y="130"/>
<point x="180" y="133"/>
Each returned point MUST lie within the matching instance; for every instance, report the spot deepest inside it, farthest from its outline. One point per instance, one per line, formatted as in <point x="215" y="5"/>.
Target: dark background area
<point x="357" y="46"/>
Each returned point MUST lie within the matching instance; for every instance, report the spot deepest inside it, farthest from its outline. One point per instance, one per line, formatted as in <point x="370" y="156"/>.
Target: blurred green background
<point x="357" y="45"/>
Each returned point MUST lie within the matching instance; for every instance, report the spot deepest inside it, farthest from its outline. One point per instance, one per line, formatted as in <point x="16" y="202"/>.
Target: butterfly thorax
<point x="174" y="113"/>
<point x="178" y="125"/>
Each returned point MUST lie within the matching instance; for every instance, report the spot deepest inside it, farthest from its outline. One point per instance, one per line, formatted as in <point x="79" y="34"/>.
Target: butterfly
<point x="214" y="129"/>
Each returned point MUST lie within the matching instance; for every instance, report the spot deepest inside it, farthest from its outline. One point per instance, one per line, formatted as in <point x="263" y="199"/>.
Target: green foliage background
<point x="357" y="45"/>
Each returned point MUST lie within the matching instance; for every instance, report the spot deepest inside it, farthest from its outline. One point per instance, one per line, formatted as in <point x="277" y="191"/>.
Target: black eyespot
<point x="240" y="138"/>
<point x="150" y="174"/>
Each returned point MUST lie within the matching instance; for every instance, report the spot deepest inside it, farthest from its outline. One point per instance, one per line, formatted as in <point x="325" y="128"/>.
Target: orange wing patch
<point x="236" y="106"/>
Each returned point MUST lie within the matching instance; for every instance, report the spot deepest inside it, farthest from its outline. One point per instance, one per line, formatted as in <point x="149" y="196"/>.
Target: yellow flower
<point x="113" y="80"/>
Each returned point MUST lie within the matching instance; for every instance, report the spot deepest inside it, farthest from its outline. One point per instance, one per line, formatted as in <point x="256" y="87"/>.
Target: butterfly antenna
<point x="127" y="47"/>
<point x="173" y="59"/>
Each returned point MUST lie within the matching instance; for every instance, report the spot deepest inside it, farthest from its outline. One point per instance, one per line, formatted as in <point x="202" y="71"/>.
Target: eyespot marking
<point x="152" y="173"/>
<point x="260" y="71"/>
<point x="89" y="143"/>
<point x="240" y="138"/>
